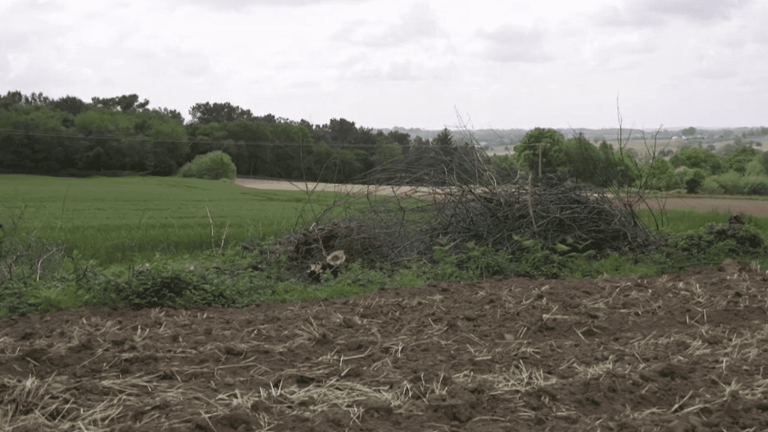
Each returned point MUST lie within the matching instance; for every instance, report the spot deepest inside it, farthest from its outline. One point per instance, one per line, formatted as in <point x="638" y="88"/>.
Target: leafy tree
<point x="584" y="162"/>
<point x="763" y="159"/>
<point x="70" y="104"/>
<point x="694" y="157"/>
<point x="661" y="176"/>
<point x="218" y="113"/>
<point x="139" y="141"/>
<point x="11" y="98"/>
<point x="738" y="160"/>
<point x="694" y="179"/>
<point x="170" y="113"/>
<point x="33" y="139"/>
<point x="124" y="103"/>
<point x="420" y="142"/>
<point x="541" y="147"/>
<point x="689" y="131"/>
<point x="402" y="139"/>
<point x="342" y="131"/>
<point x="386" y="150"/>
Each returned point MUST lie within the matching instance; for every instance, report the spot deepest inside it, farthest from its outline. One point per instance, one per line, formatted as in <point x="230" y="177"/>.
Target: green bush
<point x="170" y="288"/>
<point x="711" y="187"/>
<point x="716" y="242"/>
<point x="694" y="179"/>
<point x="210" y="166"/>
<point x="731" y="183"/>
<point x="756" y="185"/>
<point x="754" y="168"/>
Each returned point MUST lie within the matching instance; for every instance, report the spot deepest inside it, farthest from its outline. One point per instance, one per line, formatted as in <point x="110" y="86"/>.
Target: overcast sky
<point x="384" y="63"/>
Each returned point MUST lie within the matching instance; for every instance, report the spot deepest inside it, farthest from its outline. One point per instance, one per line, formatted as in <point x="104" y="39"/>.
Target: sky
<point x="427" y="64"/>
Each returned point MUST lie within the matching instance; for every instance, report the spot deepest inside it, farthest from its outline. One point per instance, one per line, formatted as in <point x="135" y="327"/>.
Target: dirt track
<point x="758" y="208"/>
<point x="679" y="353"/>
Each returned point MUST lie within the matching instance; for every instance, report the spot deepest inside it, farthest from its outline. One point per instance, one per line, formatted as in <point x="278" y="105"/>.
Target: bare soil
<point x="679" y="353"/>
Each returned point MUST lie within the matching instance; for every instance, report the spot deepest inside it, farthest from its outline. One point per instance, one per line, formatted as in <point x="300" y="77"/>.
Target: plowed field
<point x="680" y="353"/>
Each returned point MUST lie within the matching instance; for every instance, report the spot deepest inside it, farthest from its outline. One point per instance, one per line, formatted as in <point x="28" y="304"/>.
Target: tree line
<point x="111" y="136"/>
<point x="122" y="134"/>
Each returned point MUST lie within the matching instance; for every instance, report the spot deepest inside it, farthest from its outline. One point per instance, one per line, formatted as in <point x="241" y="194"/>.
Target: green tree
<point x="386" y="150"/>
<point x="124" y="103"/>
<point x="70" y="104"/>
<point x="661" y="176"/>
<point x="541" y="151"/>
<point x="444" y="139"/>
<point x="218" y="113"/>
<point x="741" y="157"/>
<point x="694" y="157"/>
<point x="689" y="131"/>
<point x="34" y="140"/>
<point x="583" y="161"/>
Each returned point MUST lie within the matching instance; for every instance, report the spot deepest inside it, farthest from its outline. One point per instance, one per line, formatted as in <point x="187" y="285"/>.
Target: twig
<point x="211" y="221"/>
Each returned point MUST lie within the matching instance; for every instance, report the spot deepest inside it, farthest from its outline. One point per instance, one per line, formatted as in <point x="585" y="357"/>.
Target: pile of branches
<point x="461" y="196"/>
<point x="551" y="210"/>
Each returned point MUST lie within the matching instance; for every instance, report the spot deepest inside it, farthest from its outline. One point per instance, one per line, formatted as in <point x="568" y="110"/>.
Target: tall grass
<point x="114" y="219"/>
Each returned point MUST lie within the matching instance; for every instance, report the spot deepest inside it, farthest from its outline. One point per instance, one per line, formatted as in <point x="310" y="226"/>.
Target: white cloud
<point x="655" y="13"/>
<point x="515" y="45"/>
<point x="412" y="26"/>
<point x="510" y="63"/>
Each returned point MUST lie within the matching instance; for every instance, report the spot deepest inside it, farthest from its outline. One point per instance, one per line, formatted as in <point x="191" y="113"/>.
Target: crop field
<point x="113" y="219"/>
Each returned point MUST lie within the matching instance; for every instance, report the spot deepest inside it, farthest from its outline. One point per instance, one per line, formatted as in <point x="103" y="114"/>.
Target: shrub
<point x="730" y="183"/>
<point x="716" y="242"/>
<point x="210" y="166"/>
<point x="694" y="180"/>
<point x="171" y="289"/>
<point x="754" y="169"/>
<point x="756" y="185"/>
<point x="711" y="187"/>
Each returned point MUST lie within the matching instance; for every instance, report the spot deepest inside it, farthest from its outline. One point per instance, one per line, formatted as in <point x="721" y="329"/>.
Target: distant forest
<point x="123" y="135"/>
<point x="113" y="136"/>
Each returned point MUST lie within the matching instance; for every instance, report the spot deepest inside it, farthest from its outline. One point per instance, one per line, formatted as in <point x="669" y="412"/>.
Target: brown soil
<point x="678" y="353"/>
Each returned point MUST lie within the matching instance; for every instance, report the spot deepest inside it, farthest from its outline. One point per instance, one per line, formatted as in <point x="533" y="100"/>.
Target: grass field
<point x="112" y="219"/>
<point x="681" y="221"/>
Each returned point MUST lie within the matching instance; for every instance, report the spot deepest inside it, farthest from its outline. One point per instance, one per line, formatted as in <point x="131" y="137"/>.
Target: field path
<point x="757" y="208"/>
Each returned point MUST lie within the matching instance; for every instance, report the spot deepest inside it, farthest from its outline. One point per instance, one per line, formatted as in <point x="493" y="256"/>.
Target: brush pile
<point x="467" y="200"/>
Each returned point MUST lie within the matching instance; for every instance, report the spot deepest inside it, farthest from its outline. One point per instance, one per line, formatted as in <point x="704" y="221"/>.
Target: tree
<point x="541" y="151"/>
<point x="689" y="131"/>
<point x="694" y="157"/>
<point x="444" y="139"/>
<point x="739" y="158"/>
<point x="44" y="147"/>
<point x="70" y="104"/>
<point x="218" y="113"/>
<point x="124" y="103"/>
<point x="583" y="161"/>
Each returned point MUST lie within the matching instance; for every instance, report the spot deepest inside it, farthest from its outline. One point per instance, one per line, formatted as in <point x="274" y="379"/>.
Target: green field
<point x="681" y="221"/>
<point x="113" y="219"/>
